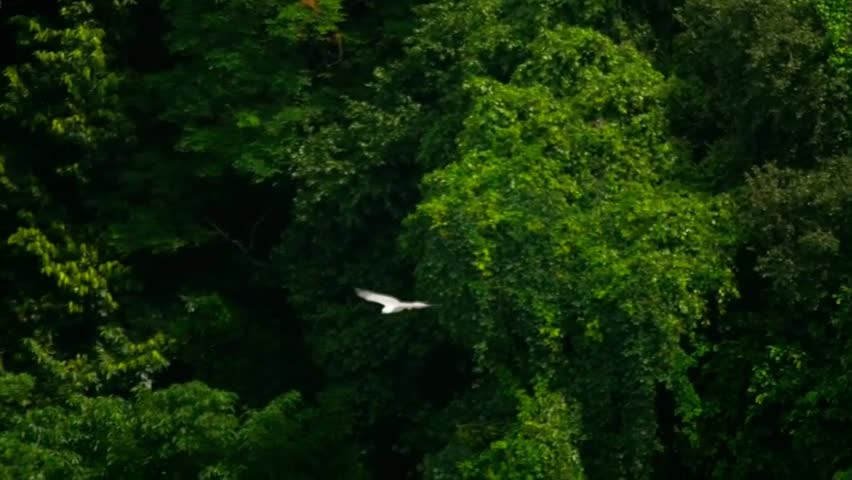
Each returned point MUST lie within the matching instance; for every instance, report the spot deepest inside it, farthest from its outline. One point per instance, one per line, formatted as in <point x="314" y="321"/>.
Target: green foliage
<point x="255" y="51"/>
<point x="288" y="438"/>
<point x="766" y="89"/>
<point x="61" y="115"/>
<point x="631" y="216"/>
<point x="536" y="440"/>
<point x="797" y="226"/>
<point x="554" y="228"/>
<point x="70" y="69"/>
<point x="796" y="342"/>
<point x="837" y="19"/>
<point x="62" y="422"/>
<point x="75" y="268"/>
<point x="540" y="446"/>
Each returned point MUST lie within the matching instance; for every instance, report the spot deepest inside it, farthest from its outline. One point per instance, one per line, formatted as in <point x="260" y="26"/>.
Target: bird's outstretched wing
<point x="415" y="305"/>
<point x="374" y="297"/>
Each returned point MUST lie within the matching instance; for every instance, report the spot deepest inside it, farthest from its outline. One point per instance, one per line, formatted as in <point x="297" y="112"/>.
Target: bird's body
<point x="389" y="304"/>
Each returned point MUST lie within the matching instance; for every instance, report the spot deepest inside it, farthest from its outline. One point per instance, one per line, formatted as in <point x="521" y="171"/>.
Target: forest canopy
<point x="632" y="218"/>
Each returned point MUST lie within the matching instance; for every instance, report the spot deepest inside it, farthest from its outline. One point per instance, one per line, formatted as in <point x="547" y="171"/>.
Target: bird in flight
<point x="389" y="304"/>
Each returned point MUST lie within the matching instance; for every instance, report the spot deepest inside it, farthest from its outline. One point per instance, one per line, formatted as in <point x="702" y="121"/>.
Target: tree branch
<point x="246" y="250"/>
<point x="254" y="228"/>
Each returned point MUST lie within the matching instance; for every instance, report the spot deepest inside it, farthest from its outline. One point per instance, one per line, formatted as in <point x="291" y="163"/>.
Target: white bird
<point x="389" y="304"/>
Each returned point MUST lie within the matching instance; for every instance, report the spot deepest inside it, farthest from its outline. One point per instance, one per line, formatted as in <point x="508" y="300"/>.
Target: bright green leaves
<point x="836" y="16"/>
<point x="676" y="239"/>
<point x="247" y="120"/>
<point x="190" y="422"/>
<point x="70" y="71"/>
<point x="529" y="162"/>
<point x="580" y="63"/>
<point x="15" y="393"/>
<point x="117" y="362"/>
<point x="60" y="112"/>
<point x="541" y="445"/>
<point x="61" y="115"/>
<point x="50" y="426"/>
<point x="184" y="429"/>
<point x="616" y="95"/>
<point x="75" y="267"/>
<point x="560" y="217"/>
<point x="119" y="357"/>
<point x="66" y="420"/>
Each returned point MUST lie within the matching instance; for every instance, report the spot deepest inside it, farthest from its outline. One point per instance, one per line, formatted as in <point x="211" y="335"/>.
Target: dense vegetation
<point x="635" y="217"/>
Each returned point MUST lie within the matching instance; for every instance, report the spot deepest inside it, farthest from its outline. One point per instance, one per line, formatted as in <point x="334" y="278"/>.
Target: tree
<point x="785" y="349"/>
<point x="62" y="116"/>
<point x="563" y="241"/>
<point x="73" y="420"/>
<point x="760" y="83"/>
<point x="540" y="445"/>
<point x="631" y="216"/>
